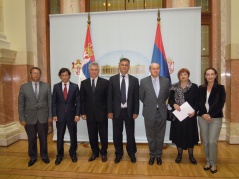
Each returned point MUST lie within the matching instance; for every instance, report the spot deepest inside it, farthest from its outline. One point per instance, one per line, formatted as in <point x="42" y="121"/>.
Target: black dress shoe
<point x="31" y="162"/>
<point x="74" y="158"/>
<point x="133" y="159"/>
<point x="58" y="160"/>
<point x="46" y="160"/>
<point x="93" y="157"/>
<point x="151" y="160"/>
<point x="117" y="159"/>
<point x="178" y="159"/>
<point x="192" y="160"/>
<point x="159" y="161"/>
<point x="213" y="170"/>
<point x="207" y="167"/>
<point x="104" y="158"/>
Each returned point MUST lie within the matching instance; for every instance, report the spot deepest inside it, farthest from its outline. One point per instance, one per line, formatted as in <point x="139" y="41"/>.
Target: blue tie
<point x="123" y="91"/>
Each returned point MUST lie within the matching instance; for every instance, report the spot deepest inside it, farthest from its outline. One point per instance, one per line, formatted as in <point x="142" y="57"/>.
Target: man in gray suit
<point x="153" y="93"/>
<point x="34" y="107"/>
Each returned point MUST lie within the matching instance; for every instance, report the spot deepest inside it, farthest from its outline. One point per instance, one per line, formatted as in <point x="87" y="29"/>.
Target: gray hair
<point x="154" y="63"/>
<point x="94" y="64"/>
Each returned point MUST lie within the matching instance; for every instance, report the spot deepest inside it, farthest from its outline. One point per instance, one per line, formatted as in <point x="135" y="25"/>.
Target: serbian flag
<point x="88" y="57"/>
<point x="159" y="54"/>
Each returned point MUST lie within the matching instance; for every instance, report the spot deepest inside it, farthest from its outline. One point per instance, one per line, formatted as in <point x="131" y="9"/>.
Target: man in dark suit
<point x="93" y="95"/>
<point x="34" y="106"/>
<point x="66" y="112"/>
<point x="153" y="93"/>
<point x="123" y="107"/>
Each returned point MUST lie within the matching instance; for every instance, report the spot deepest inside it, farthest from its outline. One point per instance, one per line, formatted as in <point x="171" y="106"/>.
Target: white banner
<point x="127" y="34"/>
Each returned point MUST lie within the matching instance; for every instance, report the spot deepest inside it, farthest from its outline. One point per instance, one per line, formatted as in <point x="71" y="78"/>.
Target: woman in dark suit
<point x="185" y="133"/>
<point x="211" y="99"/>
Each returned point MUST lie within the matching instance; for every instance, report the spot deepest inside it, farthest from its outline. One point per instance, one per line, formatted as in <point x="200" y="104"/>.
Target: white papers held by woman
<point x="185" y="110"/>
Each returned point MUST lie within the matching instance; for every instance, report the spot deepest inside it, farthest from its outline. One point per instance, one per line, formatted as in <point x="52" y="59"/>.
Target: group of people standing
<point x="118" y="99"/>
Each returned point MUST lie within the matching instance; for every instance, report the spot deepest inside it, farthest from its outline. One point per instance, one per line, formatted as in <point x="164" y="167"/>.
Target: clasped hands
<point x="177" y="107"/>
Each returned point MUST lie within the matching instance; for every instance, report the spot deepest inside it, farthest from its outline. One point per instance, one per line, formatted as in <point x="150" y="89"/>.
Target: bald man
<point x="153" y="93"/>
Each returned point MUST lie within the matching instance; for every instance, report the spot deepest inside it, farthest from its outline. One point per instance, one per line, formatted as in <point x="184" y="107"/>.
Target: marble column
<point x="179" y="3"/>
<point x="71" y="6"/>
<point x="230" y="46"/>
<point x="9" y="129"/>
<point x="3" y="38"/>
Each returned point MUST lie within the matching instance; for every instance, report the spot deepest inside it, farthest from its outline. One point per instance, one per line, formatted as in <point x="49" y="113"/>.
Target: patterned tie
<point x="65" y="92"/>
<point x="123" y="91"/>
<point x="36" y="93"/>
<point x="93" y="85"/>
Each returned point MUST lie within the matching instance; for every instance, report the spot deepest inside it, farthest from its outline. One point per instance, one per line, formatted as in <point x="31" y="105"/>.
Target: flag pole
<point x="158" y="19"/>
<point x="88" y="22"/>
<point x="87" y="143"/>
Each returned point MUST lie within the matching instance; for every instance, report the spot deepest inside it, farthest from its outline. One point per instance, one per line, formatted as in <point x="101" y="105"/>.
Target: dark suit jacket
<point x="94" y="105"/>
<point x="216" y="100"/>
<point x="150" y="100"/>
<point x="32" y="109"/>
<point x="69" y="108"/>
<point x="114" y="99"/>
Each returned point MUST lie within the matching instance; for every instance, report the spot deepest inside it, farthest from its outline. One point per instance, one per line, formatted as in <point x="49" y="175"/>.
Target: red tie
<point x="65" y="92"/>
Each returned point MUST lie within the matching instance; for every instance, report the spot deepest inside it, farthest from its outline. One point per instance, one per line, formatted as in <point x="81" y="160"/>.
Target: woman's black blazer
<point x="216" y="100"/>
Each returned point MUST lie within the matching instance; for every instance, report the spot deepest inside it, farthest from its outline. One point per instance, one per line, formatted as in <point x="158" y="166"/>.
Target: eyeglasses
<point x="35" y="73"/>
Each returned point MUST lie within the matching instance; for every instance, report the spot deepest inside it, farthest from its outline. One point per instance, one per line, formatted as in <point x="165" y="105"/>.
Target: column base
<point x="9" y="133"/>
<point x="232" y="136"/>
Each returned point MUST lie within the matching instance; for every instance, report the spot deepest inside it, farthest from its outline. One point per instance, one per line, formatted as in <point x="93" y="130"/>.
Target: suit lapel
<point x="70" y="91"/>
<point x="130" y="84"/>
<point x="31" y="89"/>
<point x="59" y="87"/>
<point x="97" y="84"/>
<point x="160" y="87"/>
<point x="117" y="81"/>
<point x="204" y="93"/>
<point x="88" y="83"/>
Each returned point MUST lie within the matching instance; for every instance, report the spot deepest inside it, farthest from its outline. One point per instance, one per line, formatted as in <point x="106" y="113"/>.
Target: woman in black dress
<point x="185" y="133"/>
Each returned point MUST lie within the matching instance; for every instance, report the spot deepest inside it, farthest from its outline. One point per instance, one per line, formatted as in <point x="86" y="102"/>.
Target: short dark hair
<point x="183" y="70"/>
<point x="35" y="68"/>
<point x="124" y="60"/>
<point x="215" y="71"/>
<point x="63" y="70"/>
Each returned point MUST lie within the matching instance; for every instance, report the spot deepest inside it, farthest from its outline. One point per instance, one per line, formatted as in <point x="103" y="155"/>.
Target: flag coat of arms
<point x="88" y="57"/>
